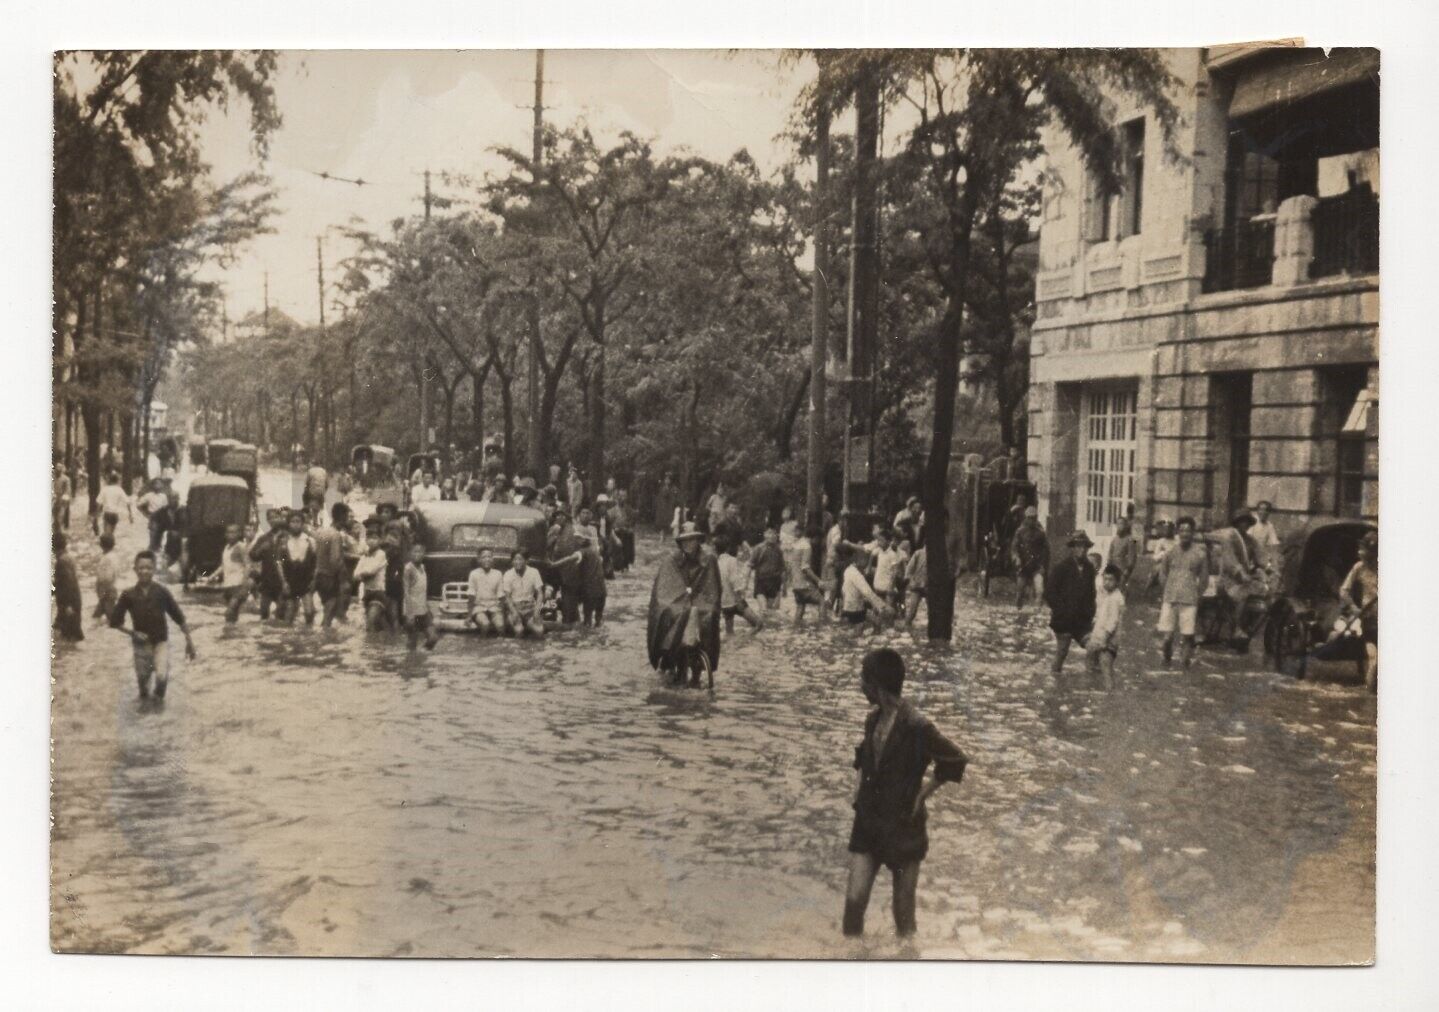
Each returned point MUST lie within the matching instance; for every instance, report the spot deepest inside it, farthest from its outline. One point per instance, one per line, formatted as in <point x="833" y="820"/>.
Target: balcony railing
<point x="1241" y="256"/>
<point x="1346" y="234"/>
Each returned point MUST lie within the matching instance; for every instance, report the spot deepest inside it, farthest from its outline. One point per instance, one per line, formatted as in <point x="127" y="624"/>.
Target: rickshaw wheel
<point x="1291" y="641"/>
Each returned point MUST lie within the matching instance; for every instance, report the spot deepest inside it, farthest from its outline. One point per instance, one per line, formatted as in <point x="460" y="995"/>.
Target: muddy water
<point x="316" y="793"/>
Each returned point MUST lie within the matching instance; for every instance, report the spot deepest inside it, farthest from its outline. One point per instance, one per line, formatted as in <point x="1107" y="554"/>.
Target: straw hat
<point x="1079" y="538"/>
<point x="689" y="532"/>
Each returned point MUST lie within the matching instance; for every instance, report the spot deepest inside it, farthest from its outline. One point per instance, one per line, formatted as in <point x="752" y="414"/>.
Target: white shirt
<point x="856" y="591"/>
<point x="425" y="493"/>
<point x="524" y="591"/>
<point x="1267" y="538"/>
<point x="485" y="588"/>
<point x="370" y="570"/>
<point x="731" y="578"/>
<point x="107" y="571"/>
<point x="114" y="500"/>
<point x="153" y="502"/>
<point x="1108" y="613"/>
<point x="886" y="563"/>
<point x="589" y="533"/>
<point x="234" y="565"/>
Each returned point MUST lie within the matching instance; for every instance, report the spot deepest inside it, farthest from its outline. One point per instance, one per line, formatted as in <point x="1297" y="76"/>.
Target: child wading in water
<point x="417" y="603"/>
<point x="148" y="604"/>
<point x="889" y="815"/>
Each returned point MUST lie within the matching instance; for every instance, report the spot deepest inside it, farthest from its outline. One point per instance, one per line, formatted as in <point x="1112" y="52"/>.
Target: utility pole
<point x="320" y="275"/>
<point x="537" y="437"/>
<point x="267" y="304"/>
<point x="819" y="328"/>
<point x="424" y="361"/>
<point x="863" y="311"/>
<point x="224" y="321"/>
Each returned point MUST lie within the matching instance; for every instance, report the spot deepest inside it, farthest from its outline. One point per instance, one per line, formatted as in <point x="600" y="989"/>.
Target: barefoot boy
<point x="889" y="815"/>
<point x="417" y="601"/>
<point x="147" y="603"/>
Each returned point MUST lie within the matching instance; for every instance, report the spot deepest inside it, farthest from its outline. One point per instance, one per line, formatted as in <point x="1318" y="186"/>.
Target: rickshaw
<point x="998" y="517"/>
<point x="214" y="501"/>
<point x="374" y="465"/>
<point x="1313" y="563"/>
<point x="423" y="462"/>
<point x="199" y="452"/>
<point x="454" y="532"/>
<point x="683" y="637"/>
<point x="215" y="452"/>
<point x="241" y="461"/>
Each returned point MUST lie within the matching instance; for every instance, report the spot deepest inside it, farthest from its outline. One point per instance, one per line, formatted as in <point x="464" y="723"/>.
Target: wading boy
<point x="889" y="814"/>
<point x="417" y="601"/>
<point x="1102" y="646"/>
<point x="233" y="576"/>
<point x="147" y="603"/>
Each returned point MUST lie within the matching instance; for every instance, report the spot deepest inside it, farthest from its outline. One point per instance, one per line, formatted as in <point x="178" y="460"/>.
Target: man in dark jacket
<point x="1070" y="596"/>
<point x="266" y="551"/>
<point x="1030" y="551"/>
<point x="889" y="814"/>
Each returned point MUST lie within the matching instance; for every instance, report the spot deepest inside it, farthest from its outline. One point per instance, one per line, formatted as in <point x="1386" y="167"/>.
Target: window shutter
<point x="1092" y="221"/>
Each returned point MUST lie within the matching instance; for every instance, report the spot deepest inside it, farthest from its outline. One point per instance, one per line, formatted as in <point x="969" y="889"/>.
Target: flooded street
<point x="327" y="793"/>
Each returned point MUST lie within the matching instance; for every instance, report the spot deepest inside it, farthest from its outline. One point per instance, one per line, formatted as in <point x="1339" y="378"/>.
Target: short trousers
<point x="419" y="623"/>
<point x="495" y="616"/>
<point x="376" y="597"/>
<point x="153" y="659"/>
<point x="112" y="519"/>
<point x="767" y="586"/>
<point x="808" y="595"/>
<point x="240" y="593"/>
<point x="327" y="585"/>
<point x="852" y="617"/>
<point x="1185" y="614"/>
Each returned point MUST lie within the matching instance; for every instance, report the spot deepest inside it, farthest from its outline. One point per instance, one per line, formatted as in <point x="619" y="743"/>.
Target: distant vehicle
<point x="374" y="465"/>
<point x="215" y="451"/>
<point x="453" y="533"/>
<point x="242" y="461"/>
<point x="423" y="462"/>
<point x="199" y="452"/>
<point x="997" y="521"/>
<point x="1313" y="563"/>
<point x="214" y="500"/>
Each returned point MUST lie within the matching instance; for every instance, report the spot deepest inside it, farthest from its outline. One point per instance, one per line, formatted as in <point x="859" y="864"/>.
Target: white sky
<point x="386" y="116"/>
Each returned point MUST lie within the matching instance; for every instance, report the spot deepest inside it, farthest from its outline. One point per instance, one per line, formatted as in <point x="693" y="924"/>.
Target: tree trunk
<point x="819" y="335"/>
<point x="477" y="391"/>
<point x="939" y="595"/>
<point x="597" y="421"/>
<point x="784" y="431"/>
<point x="507" y="406"/>
<point x="538" y="434"/>
<point x="90" y="421"/>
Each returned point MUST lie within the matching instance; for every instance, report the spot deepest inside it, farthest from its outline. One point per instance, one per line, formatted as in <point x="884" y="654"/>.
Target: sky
<point x="386" y="116"/>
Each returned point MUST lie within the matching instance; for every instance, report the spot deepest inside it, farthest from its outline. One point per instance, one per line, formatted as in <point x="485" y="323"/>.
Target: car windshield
<point x="472" y="536"/>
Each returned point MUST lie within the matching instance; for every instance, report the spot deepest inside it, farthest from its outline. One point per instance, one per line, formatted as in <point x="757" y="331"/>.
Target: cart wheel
<point x="1291" y="644"/>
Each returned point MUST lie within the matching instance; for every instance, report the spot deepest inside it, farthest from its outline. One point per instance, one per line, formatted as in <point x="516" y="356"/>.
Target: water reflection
<point x="305" y="792"/>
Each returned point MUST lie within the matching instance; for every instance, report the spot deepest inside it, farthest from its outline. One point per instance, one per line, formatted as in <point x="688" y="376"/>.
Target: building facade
<point x="1208" y="336"/>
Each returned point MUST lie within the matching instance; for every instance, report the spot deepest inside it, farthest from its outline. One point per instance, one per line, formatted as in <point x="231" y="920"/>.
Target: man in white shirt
<point x="859" y="602"/>
<point x="114" y="501"/>
<point x="1264" y="535"/>
<point x="886" y="564"/>
<point x="732" y="601"/>
<point x="485" y="611"/>
<point x="426" y="490"/>
<point x="522" y="592"/>
<point x="233" y="574"/>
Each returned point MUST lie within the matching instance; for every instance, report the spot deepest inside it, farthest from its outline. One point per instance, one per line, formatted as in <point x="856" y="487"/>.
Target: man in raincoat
<point x="685" y="607"/>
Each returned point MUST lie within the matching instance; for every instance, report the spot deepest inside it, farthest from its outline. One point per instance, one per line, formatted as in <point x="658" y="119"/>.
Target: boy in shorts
<point x="522" y="595"/>
<point x="417" y="601"/>
<point x="233" y="576"/>
<point x="1102" y="646"/>
<point x="803" y="581"/>
<point x="732" y="600"/>
<point x="1183" y="574"/>
<point x="486" y="614"/>
<point x="898" y="747"/>
<point x="859" y="604"/>
<point x="148" y="603"/>
<point x="768" y="563"/>
<point x="107" y="578"/>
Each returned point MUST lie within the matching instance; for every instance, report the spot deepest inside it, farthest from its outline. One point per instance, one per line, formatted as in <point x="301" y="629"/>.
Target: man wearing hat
<point x="1183" y="574"/>
<point x="1030" y="551"/>
<point x="685" y="605"/>
<point x="1070" y="596"/>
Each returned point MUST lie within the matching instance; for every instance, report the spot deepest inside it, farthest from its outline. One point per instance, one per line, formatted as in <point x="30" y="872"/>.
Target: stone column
<point x="1294" y="240"/>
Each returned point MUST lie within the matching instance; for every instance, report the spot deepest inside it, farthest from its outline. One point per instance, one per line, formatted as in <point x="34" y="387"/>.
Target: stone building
<point x="1208" y="336"/>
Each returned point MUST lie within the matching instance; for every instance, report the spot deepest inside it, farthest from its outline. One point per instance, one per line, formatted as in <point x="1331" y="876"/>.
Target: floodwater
<point x="329" y="794"/>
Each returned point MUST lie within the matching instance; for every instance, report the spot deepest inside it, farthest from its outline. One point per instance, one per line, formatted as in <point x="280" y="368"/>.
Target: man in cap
<point x="1030" y="551"/>
<point x="1183" y="574"/>
<point x="1070" y="596"/>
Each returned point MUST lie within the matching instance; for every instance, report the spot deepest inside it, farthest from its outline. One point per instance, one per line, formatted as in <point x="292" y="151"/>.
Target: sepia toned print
<point x="811" y="504"/>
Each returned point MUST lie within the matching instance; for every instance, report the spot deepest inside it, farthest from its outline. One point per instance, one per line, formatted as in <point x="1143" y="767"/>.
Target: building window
<point x="1343" y="390"/>
<point x="1111" y="430"/>
<point x="1231" y="406"/>
<point x="1109" y="215"/>
<point x="1131" y="199"/>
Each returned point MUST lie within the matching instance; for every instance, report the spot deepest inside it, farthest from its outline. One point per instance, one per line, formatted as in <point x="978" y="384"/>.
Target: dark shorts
<point x="767" y="586"/>
<point x="807" y="595"/>
<point x="376" y="597"/>
<point x="419" y="623"/>
<point x="113" y="519"/>
<point x="240" y="593"/>
<point x="891" y="846"/>
<point x="327" y="585"/>
<point x="852" y="617"/>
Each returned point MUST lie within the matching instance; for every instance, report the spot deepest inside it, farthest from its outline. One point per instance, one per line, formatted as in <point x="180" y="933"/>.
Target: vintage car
<point x="1313" y="563"/>
<point x="422" y="462"/>
<point x="213" y="502"/>
<point x="199" y="452"/>
<point x="241" y="461"/>
<point x="454" y="532"/>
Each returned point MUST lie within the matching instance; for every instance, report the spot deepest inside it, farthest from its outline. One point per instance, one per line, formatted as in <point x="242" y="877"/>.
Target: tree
<point x="977" y="120"/>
